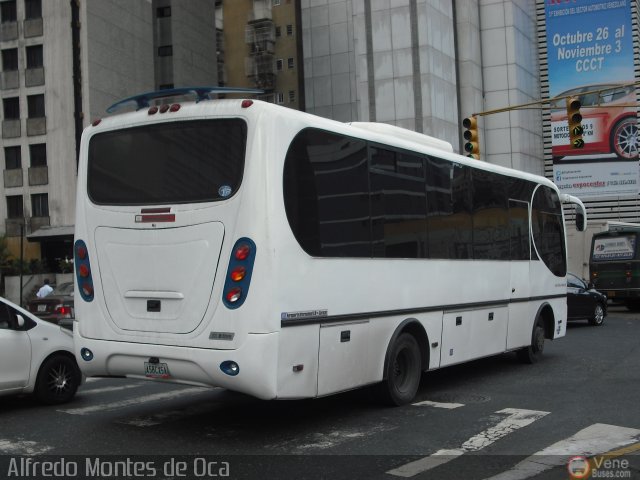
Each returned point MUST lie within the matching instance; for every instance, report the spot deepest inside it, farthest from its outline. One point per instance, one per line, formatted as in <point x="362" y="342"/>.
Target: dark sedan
<point x="584" y="302"/>
<point x="57" y="307"/>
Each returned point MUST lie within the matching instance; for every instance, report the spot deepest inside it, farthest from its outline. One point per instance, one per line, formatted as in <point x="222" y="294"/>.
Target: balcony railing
<point x="13" y="178"/>
<point x="39" y="175"/>
<point x="11" y="128"/>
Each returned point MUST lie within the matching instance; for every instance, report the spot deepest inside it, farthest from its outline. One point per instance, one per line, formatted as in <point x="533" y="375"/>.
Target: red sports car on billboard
<point x="608" y="117"/>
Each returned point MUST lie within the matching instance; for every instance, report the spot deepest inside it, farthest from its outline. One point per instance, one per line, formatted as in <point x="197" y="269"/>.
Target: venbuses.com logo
<point x="579" y="467"/>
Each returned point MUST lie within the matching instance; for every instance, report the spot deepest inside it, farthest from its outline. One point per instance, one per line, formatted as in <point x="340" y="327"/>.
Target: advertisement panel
<point x="590" y="55"/>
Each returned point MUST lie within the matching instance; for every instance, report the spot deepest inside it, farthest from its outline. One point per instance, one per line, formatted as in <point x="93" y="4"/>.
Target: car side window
<point x="6" y="320"/>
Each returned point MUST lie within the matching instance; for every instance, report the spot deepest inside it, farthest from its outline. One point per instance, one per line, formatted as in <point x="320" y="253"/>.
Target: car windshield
<point x="63" y="289"/>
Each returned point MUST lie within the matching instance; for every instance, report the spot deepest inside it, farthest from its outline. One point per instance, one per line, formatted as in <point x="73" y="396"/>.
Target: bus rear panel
<point x="615" y="266"/>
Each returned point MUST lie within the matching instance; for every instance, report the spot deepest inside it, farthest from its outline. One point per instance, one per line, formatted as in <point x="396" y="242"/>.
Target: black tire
<point x="403" y="371"/>
<point x="598" y="315"/>
<point x="58" y="380"/>
<point x="533" y="352"/>
<point x="633" y="305"/>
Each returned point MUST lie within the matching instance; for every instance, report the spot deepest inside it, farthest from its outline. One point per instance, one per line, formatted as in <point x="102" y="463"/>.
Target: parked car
<point x="584" y="302"/>
<point x="57" y="307"/>
<point x="608" y="118"/>
<point x="36" y="357"/>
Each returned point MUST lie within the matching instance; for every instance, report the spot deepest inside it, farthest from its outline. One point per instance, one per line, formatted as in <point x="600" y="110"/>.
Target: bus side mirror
<point x="581" y="211"/>
<point x="20" y="321"/>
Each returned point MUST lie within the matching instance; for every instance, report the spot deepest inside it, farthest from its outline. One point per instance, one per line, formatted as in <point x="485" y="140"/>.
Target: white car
<point x="36" y="357"/>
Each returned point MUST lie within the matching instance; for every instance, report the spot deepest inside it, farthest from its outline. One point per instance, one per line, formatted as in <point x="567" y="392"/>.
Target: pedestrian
<point x="45" y="289"/>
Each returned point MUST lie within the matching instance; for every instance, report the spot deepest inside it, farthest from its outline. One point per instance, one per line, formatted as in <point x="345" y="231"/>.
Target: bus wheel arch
<point x="406" y="357"/>
<point x="542" y="329"/>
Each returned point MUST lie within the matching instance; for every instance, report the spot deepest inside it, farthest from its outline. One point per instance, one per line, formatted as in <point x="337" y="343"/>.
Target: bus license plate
<point x="156" y="370"/>
<point x="42" y="308"/>
<point x="611" y="294"/>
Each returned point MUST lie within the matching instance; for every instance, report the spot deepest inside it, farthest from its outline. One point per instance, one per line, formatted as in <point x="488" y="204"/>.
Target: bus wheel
<point x="633" y="305"/>
<point x="403" y="371"/>
<point x="533" y="352"/>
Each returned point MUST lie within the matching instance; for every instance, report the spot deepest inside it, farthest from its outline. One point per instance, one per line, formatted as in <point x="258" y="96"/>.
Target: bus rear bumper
<point x="256" y="359"/>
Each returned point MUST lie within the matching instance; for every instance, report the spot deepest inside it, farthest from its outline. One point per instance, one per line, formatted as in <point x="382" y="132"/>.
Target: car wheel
<point x="533" y="352"/>
<point x="403" y="372"/>
<point x="58" y="380"/>
<point x="624" y="138"/>
<point x="598" y="315"/>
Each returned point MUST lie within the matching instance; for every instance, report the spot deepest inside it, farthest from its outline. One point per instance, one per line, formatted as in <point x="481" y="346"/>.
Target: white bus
<point x="240" y="244"/>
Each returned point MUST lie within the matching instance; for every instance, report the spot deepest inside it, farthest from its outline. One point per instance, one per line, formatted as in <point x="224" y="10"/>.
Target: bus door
<point x="520" y="316"/>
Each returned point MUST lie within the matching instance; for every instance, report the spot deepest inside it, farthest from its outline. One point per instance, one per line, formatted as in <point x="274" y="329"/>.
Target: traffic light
<point x="574" y="119"/>
<point x="471" y="145"/>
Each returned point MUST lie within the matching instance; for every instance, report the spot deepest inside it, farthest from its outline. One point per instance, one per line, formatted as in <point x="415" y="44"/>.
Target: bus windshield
<point x="167" y="163"/>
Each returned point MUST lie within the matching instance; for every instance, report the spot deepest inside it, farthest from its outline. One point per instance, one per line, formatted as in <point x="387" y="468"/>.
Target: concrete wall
<point x="194" y="43"/>
<point x="117" y="51"/>
<point x="510" y="69"/>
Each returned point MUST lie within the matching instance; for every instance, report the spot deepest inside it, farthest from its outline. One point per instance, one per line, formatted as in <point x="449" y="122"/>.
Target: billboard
<point x="590" y="55"/>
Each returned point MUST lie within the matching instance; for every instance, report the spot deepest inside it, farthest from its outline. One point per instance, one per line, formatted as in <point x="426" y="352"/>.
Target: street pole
<point x="21" y="259"/>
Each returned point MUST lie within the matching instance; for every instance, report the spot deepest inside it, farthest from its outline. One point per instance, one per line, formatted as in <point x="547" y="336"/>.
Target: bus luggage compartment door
<point x="344" y="360"/>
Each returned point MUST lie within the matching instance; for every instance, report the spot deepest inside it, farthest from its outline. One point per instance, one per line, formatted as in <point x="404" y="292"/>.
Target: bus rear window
<point x="612" y="248"/>
<point x="167" y="163"/>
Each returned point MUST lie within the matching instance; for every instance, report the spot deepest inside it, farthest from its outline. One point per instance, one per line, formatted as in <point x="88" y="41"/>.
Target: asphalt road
<point x="481" y="420"/>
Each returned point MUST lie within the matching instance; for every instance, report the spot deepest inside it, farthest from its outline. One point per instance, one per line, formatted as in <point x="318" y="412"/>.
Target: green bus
<point x="614" y="265"/>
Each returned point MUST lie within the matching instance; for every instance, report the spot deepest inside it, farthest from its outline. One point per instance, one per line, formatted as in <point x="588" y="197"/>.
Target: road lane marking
<point x="429" y="403"/>
<point x="22" y="447"/>
<point x="516" y="419"/>
<point x="588" y="442"/>
<point x="107" y="389"/>
<point x="134" y="401"/>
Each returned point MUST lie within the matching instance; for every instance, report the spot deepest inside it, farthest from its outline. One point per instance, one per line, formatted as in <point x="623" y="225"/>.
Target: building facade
<point x="63" y="64"/>
<point x="418" y="64"/>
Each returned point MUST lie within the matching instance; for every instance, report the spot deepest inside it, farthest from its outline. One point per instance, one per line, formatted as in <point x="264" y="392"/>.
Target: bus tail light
<point x="236" y="285"/>
<point x="84" y="278"/>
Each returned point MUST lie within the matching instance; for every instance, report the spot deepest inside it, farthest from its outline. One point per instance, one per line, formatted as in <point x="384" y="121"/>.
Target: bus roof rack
<point x="142" y="100"/>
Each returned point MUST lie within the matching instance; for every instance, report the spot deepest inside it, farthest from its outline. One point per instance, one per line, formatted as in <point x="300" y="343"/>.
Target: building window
<point x="12" y="158"/>
<point x="292" y="96"/>
<point x="14" y="206"/>
<point x="165" y="51"/>
<point x="40" y="205"/>
<point x="279" y="64"/>
<point x="10" y="59"/>
<point x="8" y="12"/>
<point x="289" y="30"/>
<point x="165" y="86"/>
<point x="163" y="12"/>
<point x="32" y="9"/>
<point x="35" y="106"/>
<point x="38" y="154"/>
<point x="280" y="97"/>
<point x="290" y="62"/>
<point x="276" y="3"/>
<point x="278" y="32"/>
<point x="11" y="107"/>
<point x="34" y="56"/>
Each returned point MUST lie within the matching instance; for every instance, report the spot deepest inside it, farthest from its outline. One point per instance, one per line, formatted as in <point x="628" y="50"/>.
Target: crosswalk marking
<point x="101" y="407"/>
<point x="593" y="440"/>
<point x="515" y="420"/>
<point x="22" y="447"/>
<point x="429" y="403"/>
